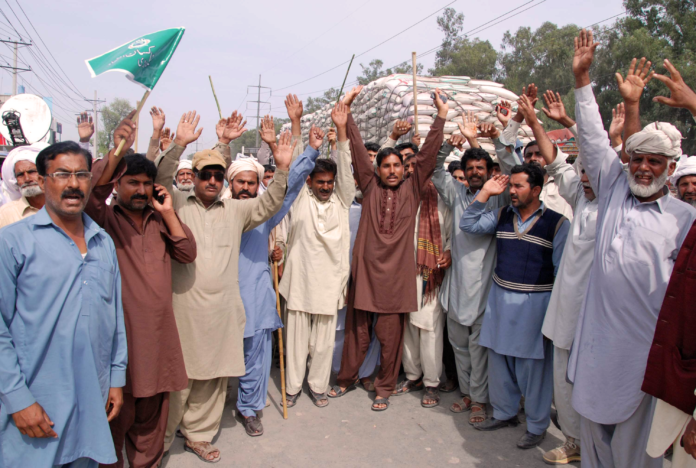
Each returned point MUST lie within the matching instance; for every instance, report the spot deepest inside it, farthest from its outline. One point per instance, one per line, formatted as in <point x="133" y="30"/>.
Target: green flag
<point x="143" y="60"/>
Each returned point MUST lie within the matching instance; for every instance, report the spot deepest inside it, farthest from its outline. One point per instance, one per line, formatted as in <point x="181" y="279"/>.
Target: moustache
<point x="586" y="185"/>
<point x="139" y="197"/>
<point x="245" y="192"/>
<point x="72" y="193"/>
<point x="29" y="184"/>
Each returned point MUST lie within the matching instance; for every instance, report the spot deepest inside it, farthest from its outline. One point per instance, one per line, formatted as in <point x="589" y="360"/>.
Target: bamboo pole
<point x="340" y="91"/>
<point x="215" y="95"/>
<point x="135" y="119"/>
<point x="280" y="343"/>
<point x="415" y="93"/>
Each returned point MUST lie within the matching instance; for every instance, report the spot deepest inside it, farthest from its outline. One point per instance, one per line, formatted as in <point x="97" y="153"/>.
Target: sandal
<point x="317" y="398"/>
<point x="449" y="386"/>
<point x="368" y="385"/>
<point x="431" y="394"/>
<point x="202" y="450"/>
<point x="380" y="401"/>
<point x="338" y="392"/>
<point x="478" y="413"/>
<point x="253" y="426"/>
<point x="408" y="386"/>
<point x="461" y="406"/>
<point x="292" y="399"/>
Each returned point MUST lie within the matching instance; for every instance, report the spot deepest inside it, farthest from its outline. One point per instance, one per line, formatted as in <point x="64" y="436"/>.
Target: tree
<point x="473" y="58"/>
<point x="374" y="70"/>
<point x="451" y="24"/>
<point x="111" y="115"/>
<point x="314" y="104"/>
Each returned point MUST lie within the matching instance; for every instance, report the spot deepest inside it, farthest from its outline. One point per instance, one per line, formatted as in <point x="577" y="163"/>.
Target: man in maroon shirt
<point x="147" y="234"/>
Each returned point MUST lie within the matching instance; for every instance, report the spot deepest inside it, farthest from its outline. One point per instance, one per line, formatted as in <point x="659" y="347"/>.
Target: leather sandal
<point x="408" y="386"/>
<point x="202" y="450"/>
<point x="253" y="426"/>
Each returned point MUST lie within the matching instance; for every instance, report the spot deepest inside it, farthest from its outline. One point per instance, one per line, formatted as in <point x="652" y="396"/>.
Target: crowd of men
<point x="133" y="287"/>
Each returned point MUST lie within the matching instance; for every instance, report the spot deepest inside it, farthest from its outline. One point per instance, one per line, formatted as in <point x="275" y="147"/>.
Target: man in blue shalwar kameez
<point x="255" y="280"/>
<point x="63" y="351"/>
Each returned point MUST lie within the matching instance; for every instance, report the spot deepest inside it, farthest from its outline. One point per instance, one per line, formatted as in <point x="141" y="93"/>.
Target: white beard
<point x="645" y="191"/>
<point x="185" y="187"/>
<point x="30" y="191"/>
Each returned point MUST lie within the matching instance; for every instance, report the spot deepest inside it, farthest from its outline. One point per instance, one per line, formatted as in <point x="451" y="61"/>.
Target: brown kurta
<point x="383" y="264"/>
<point x="155" y="359"/>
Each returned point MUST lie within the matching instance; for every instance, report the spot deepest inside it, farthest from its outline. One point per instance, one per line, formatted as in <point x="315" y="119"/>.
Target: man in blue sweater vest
<point x="530" y="240"/>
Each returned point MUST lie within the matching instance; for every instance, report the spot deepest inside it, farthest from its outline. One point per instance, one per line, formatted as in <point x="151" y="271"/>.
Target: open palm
<point x="584" y="52"/>
<point x="631" y="88"/>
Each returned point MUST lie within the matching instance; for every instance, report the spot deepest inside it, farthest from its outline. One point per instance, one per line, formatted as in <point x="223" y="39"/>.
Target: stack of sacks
<point x="386" y="100"/>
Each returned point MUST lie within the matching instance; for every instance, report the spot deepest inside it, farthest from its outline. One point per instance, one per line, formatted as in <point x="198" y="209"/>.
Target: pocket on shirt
<point x="103" y="275"/>
<point x="645" y="246"/>
<point x="405" y="211"/>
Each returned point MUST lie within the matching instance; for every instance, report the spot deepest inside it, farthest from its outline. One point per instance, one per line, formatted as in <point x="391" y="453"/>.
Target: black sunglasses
<point x="206" y="175"/>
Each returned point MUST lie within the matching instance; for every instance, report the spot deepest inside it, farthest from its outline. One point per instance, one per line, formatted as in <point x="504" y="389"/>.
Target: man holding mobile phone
<point x="147" y="234"/>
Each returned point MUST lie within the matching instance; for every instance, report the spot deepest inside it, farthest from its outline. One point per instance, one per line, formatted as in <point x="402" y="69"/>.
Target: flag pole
<point x="280" y="343"/>
<point x="415" y="94"/>
<point x="215" y="95"/>
<point x="135" y="120"/>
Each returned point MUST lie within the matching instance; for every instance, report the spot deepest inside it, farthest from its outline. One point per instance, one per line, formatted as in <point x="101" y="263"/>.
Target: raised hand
<point x="339" y="115"/>
<point x="442" y="107"/>
<point x="504" y="112"/>
<point x="316" y="137"/>
<point x="158" y="119"/>
<point x="282" y="152"/>
<point x="457" y="141"/>
<point x="166" y="138"/>
<point x="680" y="94"/>
<point x="33" y="421"/>
<point x="618" y="118"/>
<point x="85" y="127"/>
<point x="161" y="191"/>
<point x="488" y="130"/>
<point x="416" y="139"/>
<point x="632" y="87"/>
<point x="525" y="107"/>
<point x="401" y="128"/>
<point x="531" y="91"/>
<point x="125" y="131"/>
<point x="468" y="125"/>
<point x="231" y="128"/>
<point x="294" y="107"/>
<point x="496" y="185"/>
<point x="556" y="110"/>
<point x="267" y="130"/>
<point x="351" y="95"/>
<point x="331" y="137"/>
<point x="186" y="132"/>
<point x="583" y="57"/>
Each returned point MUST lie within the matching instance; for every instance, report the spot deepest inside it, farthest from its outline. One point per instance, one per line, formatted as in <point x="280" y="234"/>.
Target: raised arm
<point x="227" y="130"/>
<point x="426" y="158"/>
<point x="631" y="90"/>
<point x="158" y="120"/>
<point x="85" y="129"/>
<point x="363" y="167"/>
<point x="125" y="130"/>
<point x="546" y="148"/>
<point x="295" y="109"/>
<point x="555" y="110"/>
<point x="401" y="128"/>
<point x="444" y="184"/>
<point x="616" y="128"/>
<point x="345" y="185"/>
<point x="469" y="128"/>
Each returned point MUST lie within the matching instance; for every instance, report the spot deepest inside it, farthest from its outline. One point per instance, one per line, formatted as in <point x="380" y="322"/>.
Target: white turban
<point x="22" y="153"/>
<point x="686" y="167"/>
<point x="244" y="163"/>
<point x="184" y="164"/>
<point x="656" y="138"/>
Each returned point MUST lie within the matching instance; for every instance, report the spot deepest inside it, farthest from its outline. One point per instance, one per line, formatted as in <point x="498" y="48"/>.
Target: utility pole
<point x="14" y="68"/>
<point x="95" y="102"/>
<point x="258" y="107"/>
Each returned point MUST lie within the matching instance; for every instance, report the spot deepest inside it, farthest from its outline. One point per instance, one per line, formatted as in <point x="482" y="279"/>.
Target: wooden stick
<point x="415" y="94"/>
<point x="280" y="344"/>
<point x="340" y="91"/>
<point x="215" y="95"/>
<point x="135" y="119"/>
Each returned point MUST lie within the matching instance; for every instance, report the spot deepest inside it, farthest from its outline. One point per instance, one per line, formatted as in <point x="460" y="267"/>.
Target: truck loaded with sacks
<point x="386" y="100"/>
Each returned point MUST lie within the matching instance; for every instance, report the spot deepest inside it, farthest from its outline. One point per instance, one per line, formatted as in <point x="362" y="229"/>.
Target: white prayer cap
<point x="245" y="163"/>
<point x="21" y="153"/>
<point x="184" y="164"/>
<point x="656" y="138"/>
<point x="686" y="167"/>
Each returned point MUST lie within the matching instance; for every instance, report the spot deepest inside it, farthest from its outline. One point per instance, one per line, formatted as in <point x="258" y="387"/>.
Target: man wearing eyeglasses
<point x="207" y="303"/>
<point x="63" y="350"/>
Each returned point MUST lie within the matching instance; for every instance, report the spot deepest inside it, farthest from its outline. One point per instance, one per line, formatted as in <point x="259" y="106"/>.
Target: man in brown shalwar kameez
<point x="147" y="238"/>
<point x="383" y="264"/>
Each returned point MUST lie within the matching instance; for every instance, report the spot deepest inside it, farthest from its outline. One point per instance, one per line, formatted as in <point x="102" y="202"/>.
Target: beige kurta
<point x="317" y="265"/>
<point x="14" y="211"/>
<point x="207" y="303"/>
<point x="424" y="318"/>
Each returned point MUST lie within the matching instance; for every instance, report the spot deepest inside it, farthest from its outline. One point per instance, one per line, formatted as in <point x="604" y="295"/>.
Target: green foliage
<point x="473" y="58"/>
<point x="374" y="70"/>
<point x="314" y="104"/>
<point x="451" y="24"/>
<point x="111" y="115"/>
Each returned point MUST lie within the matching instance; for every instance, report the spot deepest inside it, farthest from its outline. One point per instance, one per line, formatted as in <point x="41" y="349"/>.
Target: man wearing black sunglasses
<point x="207" y="303"/>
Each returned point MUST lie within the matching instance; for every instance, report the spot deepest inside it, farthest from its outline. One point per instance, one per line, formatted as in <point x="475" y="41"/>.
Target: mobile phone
<point x="443" y="98"/>
<point x="504" y="110"/>
<point x="158" y="197"/>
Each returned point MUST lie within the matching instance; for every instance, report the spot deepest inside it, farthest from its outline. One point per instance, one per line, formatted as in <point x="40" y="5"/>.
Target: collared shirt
<point x="316" y="270"/>
<point x="207" y="303"/>
<point x="636" y="246"/>
<point x="464" y="291"/>
<point x="255" y="280"/>
<point x="155" y="360"/>
<point x="512" y="320"/>
<point x="15" y="210"/>
<point x="574" y="271"/>
<point x="62" y="340"/>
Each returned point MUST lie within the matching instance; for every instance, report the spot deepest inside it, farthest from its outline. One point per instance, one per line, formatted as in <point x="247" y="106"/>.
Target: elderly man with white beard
<point x="640" y="229"/>
<point x="184" y="175"/>
<point x="684" y="179"/>
<point x="21" y="181"/>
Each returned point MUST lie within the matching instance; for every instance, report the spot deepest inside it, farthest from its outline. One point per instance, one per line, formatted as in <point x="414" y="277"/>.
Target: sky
<point x="235" y="42"/>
